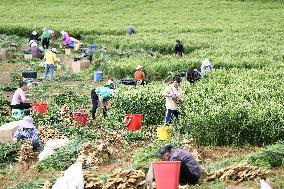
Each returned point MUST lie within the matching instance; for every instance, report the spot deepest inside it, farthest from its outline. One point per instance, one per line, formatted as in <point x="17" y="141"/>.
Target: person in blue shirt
<point x="101" y="95"/>
<point x="130" y="30"/>
<point x="28" y="131"/>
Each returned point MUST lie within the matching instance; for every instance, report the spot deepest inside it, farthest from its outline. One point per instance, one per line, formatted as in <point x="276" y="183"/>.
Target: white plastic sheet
<point x="72" y="179"/>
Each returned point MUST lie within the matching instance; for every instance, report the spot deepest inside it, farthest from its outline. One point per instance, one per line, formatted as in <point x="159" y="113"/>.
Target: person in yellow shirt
<point x="50" y="59"/>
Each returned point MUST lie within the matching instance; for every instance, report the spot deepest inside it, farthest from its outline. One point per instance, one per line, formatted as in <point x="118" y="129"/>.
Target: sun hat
<point x="206" y="62"/>
<point x="34" y="32"/>
<point x="139" y="67"/>
<point x="45" y="29"/>
<point x="54" y="50"/>
<point x="27" y="122"/>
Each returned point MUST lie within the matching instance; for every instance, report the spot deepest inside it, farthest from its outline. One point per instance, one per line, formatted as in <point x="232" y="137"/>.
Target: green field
<point x="236" y="109"/>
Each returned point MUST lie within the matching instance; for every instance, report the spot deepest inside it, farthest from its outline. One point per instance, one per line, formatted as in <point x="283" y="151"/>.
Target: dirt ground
<point x="5" y="70"/>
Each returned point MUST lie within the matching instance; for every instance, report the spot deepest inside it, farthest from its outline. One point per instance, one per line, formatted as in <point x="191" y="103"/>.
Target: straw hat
<point x="27" y="122"/>
<point x="206" y="62"/>
<point x="139" y="67"/>
<point x="34" y="32"/>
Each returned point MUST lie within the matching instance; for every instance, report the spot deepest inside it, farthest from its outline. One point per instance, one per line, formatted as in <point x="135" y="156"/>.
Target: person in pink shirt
<point x="19" y="100"/>
<point x="66" y="39"/>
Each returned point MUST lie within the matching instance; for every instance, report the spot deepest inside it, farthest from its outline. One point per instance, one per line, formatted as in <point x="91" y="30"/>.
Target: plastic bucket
<point x="40" y="108"/>
<point x="98" y="76"/>
<point x="164" y="133"/>
<point x="133" y="122"/>
<point x="81" y="117"/>
<point x="166" y="174"/>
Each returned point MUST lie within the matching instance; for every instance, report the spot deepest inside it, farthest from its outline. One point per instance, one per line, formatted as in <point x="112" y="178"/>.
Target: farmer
<point x="101" y="95"/>
<point x="34" y="37"/>
<point x="139" y="75"/>
<point x="27" y="130"/>
<point x="206" y="66"/>
<point x="45" y="37"/>
<point x="66" y="39"/>
<point x="130" y="30"/>
<point x="19" y="100"/>
<point x="36" y="52"/>
<point x="193" y="75"/>
<point x="179" y="48"/>
<point x="173" y="95"/>
<point x="190" y="171"/>
<point x="50" y="59"/>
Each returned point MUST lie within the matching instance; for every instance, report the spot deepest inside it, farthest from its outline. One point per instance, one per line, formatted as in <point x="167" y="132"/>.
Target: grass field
<point x="239" y="104"/>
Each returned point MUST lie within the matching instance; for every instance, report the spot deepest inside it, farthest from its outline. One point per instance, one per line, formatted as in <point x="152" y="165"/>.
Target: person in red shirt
<point x="139" y="75"/>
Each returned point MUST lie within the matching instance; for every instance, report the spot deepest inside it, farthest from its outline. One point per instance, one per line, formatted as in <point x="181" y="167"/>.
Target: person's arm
<point x="143" y="76"/>
<point x="16" y="135"/>
<point x="34" y="135"/>
<point x="166" y="92"/>
<point x="23" y="96"/>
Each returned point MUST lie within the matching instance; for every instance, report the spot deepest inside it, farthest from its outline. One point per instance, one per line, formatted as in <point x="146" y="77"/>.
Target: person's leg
<point x="95" y="106"/>
<point x="175" y="113"/>
<point x="105" y="111"/>
<point x="43" y="43"/>
<point x="51" y="69"/>
<point x="168" y="116"/>
<point x="186" y="177"/>
<point x="47" y="43"/>
<point x="45" y="71"/>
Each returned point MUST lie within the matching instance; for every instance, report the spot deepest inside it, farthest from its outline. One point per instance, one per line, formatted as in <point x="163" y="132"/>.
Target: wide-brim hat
<point x="34" y="32"/>
<point x="27" y="122"/>
<point x="206" y="62"/>
<point x="45" y="29"/>
<point x="139" y="67"/>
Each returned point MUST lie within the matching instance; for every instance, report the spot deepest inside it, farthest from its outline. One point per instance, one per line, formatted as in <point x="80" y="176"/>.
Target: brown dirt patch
<point x="6" y="68"/>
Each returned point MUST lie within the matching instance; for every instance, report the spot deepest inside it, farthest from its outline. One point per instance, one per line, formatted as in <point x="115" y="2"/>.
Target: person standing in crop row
<point x="174" y="96"/>
<point x="50" y="59"/>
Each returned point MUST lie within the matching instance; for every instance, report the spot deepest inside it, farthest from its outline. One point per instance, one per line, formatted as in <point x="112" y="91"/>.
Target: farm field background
<point x="234" y="114"/>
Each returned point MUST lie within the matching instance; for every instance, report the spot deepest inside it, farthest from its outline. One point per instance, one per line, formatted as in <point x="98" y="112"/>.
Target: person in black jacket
<point x="34" y="37"/>
<point x="179" y="48"/>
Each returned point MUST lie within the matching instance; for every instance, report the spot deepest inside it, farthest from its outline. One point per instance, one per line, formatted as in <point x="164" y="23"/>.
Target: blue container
<point x="98" y="76"/>
<point x="93" y="47"/>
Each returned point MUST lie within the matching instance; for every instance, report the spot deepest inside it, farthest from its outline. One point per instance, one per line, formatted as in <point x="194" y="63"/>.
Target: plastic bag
<point x="45" y="153"/>
<point x="264" y="184"/>
<point x="72" y="179"/>
<point x="50" y="146"/>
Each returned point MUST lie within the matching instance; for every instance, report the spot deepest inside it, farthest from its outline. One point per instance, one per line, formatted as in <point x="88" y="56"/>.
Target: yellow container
<point x="164" y="133"/>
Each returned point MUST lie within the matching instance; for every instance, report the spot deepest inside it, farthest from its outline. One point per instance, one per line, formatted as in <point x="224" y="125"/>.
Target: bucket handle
<point x="129" y="118"/>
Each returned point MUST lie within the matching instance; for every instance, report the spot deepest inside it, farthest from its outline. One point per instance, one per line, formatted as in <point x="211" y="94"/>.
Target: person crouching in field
<point x="101" y="95"/>
<point x="19" y="100"/>
<point x="45" y="37"/>
<point x="174" y="96"/>
<point x="179" y="48"/>
<point x="139" y="75"/>
<point x="28" y="131"/>
<point x="66" y="39"/>
<point x="190" y="171"/>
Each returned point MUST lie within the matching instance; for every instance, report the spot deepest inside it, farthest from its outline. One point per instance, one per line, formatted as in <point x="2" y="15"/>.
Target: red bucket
<point x="167" y="174"/>
<point x="40" y="108"/>
<point x="81" y="117"/>
<point x="133" y="122"/>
